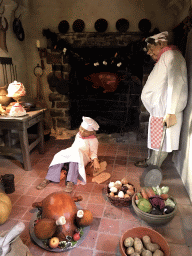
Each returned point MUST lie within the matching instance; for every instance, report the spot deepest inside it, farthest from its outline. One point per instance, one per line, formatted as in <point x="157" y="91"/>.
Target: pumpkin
<point x="5" y="207"/>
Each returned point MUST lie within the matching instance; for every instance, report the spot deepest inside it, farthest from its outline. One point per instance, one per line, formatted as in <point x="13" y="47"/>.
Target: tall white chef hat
<point x="89" y="124"/>
<point x="163" y="36"/>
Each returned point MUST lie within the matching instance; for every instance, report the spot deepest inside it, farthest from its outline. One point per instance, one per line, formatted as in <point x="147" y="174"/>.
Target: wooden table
<point x="21" y="124"/>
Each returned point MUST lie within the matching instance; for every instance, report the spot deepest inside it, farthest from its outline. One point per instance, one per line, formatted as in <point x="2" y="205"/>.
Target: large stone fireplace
<point x="103" y="75"/>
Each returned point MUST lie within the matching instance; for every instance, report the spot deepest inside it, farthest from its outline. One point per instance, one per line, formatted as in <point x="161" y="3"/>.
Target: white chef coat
<point x="165" y="92"/>
<point x="82" y="151"/>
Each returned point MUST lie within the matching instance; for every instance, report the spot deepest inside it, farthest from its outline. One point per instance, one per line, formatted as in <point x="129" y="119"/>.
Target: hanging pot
<point x="101" y="25"/>
<point x="144" y="25"/>
<point x="122" y="25"/>
<point x="52" y="80"/>
<point x="78" y="25"/>
<point x="63" y="26"/>
<point x="4" y="100"/>
<point x="63" y="85"/>
<point x="18" y="29"/>
<point x="17" y="26"/>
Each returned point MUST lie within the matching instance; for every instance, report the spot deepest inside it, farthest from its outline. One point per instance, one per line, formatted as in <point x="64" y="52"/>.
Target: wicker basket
<point x="119" y="202"/>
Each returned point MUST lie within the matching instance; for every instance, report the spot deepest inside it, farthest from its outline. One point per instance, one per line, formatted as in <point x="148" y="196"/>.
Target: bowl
<point x="143" y="231"/>
<point x="151" y="218"/>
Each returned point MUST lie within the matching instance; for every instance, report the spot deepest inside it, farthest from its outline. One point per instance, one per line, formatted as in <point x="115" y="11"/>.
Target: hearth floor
<point x="109" y="222"/>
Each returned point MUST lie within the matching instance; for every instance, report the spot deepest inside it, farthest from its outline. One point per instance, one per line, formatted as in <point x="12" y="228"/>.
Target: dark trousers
<point x="54" y="172"/>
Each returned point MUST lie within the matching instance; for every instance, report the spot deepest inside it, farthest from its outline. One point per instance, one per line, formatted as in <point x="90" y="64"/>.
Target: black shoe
<point x="141" y="164"/>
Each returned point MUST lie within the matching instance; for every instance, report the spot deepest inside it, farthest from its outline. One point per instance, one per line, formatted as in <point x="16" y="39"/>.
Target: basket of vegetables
<point x="143" y="241"/>
<point x="154" y="205"/>
<point x="120" y="192"/>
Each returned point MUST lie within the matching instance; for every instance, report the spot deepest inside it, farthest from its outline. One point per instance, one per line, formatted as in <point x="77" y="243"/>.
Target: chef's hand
<point x="170" y="120"/>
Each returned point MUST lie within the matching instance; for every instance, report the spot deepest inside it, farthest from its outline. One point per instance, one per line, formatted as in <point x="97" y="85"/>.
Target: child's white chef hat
<point x="89" y="124"/>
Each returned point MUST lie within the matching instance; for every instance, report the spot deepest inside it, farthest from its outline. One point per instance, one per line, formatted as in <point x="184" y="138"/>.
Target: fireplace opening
<point x="102" y="79"/>
<point x="106" y="86"/>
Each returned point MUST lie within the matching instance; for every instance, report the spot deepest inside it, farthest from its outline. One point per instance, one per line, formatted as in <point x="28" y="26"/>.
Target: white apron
<point x="165" y="92"/>
<point x="82" y="151"/>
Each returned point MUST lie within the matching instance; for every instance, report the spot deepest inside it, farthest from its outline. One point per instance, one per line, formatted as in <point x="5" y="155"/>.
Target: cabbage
<point x="158" y="191"/>
<point x="155" y="190"/>
<point x="164" y="190"/>
<point x="144" y="205"/>
<point x="169" y="202"/>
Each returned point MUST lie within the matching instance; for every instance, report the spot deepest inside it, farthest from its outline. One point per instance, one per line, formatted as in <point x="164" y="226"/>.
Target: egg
<point x="111" y="184"/>
<point x="124" y="181"/>
<point x="127" y="196"/>
<point x="113" y="189"/>
<point x="121" y="194"/>
<point x="112" y="194"/>
<point x="118" y="182"/>
<point x="118" y="186"/>
<point x="130" y="186"/>
<point x="130" y="192"/>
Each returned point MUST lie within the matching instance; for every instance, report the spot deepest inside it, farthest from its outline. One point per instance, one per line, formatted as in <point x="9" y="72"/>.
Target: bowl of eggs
<point x="120" y="192"/>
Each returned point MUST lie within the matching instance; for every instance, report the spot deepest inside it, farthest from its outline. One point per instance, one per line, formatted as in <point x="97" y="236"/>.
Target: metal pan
<point x="152" y="175"/>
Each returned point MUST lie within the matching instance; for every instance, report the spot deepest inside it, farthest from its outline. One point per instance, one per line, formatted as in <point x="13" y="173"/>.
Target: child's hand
<point x="96" y="164"/>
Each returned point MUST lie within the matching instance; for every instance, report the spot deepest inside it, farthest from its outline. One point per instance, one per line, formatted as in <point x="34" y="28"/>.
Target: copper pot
<point x="4" y="100"/>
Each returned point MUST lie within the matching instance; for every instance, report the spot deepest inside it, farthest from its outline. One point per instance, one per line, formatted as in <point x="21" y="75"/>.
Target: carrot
<point x="164" y="196"/>
<point x="144" y="194"/>
<point x="150" y="192"/>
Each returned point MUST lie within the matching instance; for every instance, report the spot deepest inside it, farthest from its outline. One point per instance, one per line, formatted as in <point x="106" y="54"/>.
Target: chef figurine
<point x="83" y="150"/>
<point x="164" y="96"/>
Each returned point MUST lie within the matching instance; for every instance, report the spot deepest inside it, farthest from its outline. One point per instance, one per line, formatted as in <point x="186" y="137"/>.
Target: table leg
<point x="41" y="136"/>
<point x="7" y="137"/>
<point x="23" y="135"/>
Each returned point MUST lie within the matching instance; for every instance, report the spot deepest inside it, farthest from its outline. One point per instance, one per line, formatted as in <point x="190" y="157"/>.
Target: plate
<point x="122" y="25"/>
<point x="144" y="25"/>
<point x="63" y="26"/>
<point x="42" y="245"/>
<point x="101" y="25"/>
<point x="78" y="25"/>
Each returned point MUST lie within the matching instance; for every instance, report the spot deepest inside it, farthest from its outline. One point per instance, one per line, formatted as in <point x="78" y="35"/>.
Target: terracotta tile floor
<point x="109" y="221"/>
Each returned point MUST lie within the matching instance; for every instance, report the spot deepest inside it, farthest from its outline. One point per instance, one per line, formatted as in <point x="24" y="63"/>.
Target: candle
<point x="64" y="50"/>
<point x="38" y="44"/>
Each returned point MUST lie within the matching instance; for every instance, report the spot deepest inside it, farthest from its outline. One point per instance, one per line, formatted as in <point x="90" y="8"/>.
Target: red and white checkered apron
<point x="156" y="129"/>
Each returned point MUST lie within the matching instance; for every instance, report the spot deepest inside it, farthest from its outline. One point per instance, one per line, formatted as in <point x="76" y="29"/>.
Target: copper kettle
<point x="4" y="100"/>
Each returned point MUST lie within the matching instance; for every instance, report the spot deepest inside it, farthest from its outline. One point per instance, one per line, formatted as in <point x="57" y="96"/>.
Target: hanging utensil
<point x="63" y="86"/>
<point x="9" y="71"/>
<point x="144" y="25"/>
<point x="3" y="30"/>
<point x="122" y="25"/>
<point x="52" y="79"/>
<point x="78" y="25"/>
<point x="40" y="99"/>
<point x="101" y="25"/>
<point x="63" y="26"/>
<point x="17" y="26"/>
